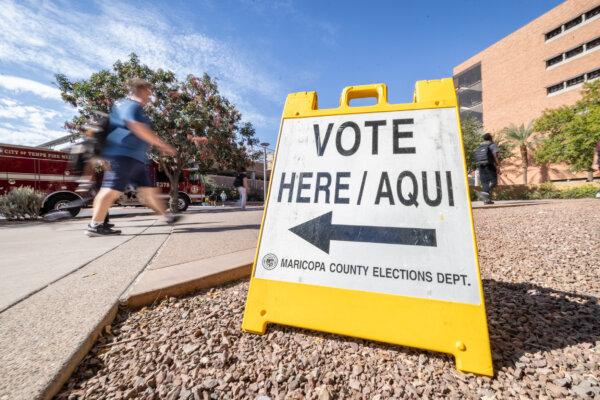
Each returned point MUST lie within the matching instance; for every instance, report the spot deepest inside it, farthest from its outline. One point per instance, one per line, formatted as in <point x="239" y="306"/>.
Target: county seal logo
<point x="269" y="261"/>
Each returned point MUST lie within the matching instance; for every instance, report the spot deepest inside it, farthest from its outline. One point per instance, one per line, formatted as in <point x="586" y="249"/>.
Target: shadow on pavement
<point x="216" y="229"/>
<point x="526" y="318"/>
<point x="222" y="210"/>
<point x="520" y="203"/>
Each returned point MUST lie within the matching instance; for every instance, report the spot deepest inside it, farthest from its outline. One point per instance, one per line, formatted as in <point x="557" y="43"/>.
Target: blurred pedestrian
<point x="488" y="166"/>
<point x="85" y="162"/>
<point x="126" y="151"/>
<point x="223" y="196"/>
<point x="241" y="184"/>
<point x="212" y="199"/>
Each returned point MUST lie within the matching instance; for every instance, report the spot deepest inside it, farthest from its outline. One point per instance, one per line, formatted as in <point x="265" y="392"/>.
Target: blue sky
<point x="259" y="50"/>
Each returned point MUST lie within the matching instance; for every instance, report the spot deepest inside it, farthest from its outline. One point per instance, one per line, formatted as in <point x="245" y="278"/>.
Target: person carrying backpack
<point x="126" y="149"/>
<point x="488" y="166"/>
<point x="241" y="184"/>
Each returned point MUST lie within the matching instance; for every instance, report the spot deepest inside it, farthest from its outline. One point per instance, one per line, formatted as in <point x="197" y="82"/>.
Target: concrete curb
<point x="178" y="280"/>
<point x="73" y="362"/>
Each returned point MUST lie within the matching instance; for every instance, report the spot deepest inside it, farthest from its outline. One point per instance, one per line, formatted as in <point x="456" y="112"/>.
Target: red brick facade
<point x="515" y="76"/>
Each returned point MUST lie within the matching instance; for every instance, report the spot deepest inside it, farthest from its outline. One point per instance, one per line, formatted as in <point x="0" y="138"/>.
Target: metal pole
<point x="264" y="146"/>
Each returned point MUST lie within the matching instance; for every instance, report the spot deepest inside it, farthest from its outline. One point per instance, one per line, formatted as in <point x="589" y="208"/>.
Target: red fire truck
<point x="47" y="171"/>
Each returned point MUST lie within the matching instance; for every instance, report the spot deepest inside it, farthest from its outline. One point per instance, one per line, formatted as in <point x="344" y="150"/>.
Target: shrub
<point x="512" y="192"/>
<point x="255" y="196"/>
<point x="547" y="190"/>
<point x="579" y="192"/>
<point x="21" y="203"/>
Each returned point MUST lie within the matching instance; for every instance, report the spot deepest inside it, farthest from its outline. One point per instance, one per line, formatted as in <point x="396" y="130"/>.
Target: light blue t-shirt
<point x="121" y="141"/>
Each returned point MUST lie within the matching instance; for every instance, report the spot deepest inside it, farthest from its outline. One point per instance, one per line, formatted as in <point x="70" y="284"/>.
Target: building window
<point x="554" y="60"/>
<point x="575" y="81"/>
<point x="592" y="13"/>
<point x="555" y="88"/>
<point x="554" y="32"/>
<point x="574" y="22"/>
<point x="574" y="52"/>
<point x="591" y="44"/>
<point x="593" y="75"/>
<point x="469" y="92"/>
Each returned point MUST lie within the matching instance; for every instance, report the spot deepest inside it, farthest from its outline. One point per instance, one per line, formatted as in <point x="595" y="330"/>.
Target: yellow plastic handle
<point x="377" y="90"/>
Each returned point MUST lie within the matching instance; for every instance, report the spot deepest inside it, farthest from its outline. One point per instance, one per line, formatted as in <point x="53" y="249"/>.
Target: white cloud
<point x="55" y="39"/>
<point x="16" y="84"/>
<point x="27" y="137"/>
<point x="12" y="109"/>
<point x="29" y="125"/>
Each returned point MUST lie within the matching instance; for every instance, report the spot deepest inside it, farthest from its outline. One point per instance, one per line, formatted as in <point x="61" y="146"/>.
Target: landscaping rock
<point x="541" y="284"/>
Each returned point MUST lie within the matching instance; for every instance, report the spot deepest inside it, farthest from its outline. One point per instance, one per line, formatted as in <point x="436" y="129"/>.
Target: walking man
<point x="241" y="184"/>
<point x="488" y="166"/>
<point x="126" y="150"/>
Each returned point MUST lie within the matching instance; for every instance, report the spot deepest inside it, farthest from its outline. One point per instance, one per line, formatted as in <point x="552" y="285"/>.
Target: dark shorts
<point x="124" y="171"/>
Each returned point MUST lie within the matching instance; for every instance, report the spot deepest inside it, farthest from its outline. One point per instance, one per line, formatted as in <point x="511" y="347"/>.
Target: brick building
<point x="541" y="65"/>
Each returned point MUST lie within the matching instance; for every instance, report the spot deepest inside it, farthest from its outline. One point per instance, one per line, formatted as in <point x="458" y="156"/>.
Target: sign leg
<point x="477" y="359"/>
<point x="254" y="315"/>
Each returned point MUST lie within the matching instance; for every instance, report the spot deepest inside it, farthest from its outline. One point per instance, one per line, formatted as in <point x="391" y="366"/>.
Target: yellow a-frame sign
<point x="368" y="229"/>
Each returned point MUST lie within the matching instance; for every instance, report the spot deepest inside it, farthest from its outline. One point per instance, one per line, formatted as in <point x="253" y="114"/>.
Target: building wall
<point x="515" y="77"/>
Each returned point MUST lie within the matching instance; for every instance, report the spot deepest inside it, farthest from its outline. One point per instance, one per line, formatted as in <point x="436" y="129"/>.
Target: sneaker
<point x="108" y="225"/>
<point x="483" y="196"/>
<point x="172" y="218"/>
<point x="60" y="215"/>
<point x="488" y="202"/>
<point x="101" y="230"/>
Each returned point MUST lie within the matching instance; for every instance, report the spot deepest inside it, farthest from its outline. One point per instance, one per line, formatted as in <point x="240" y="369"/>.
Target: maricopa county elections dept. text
<point x="407" y="188"/>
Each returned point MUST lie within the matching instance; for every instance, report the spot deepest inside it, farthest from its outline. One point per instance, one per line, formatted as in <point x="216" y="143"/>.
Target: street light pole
<point x="264" y="146"/>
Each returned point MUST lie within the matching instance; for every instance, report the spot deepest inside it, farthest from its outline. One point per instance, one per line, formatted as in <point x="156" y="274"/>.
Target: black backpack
<point x="81" y="153"/>
<point x="100" y="126"/>
<point x="482" y="154"/>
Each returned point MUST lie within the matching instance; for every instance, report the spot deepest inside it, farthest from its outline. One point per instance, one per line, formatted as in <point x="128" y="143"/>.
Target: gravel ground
<point x="541" y="281"/>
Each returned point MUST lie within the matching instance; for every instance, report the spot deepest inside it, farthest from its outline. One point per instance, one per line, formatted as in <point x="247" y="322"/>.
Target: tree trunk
<point x="525" y="163"/>
<point x="590" y="175"/>
<point x="544" y="172"/>
<point x="174" y="190"/>
<point x="173" y="184"/>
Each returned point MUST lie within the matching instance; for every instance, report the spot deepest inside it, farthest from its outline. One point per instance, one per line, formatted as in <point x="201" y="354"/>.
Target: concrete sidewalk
<point x="60" y="288"/>
<point x="218" y="249"/>
<point x="34" y="255"/>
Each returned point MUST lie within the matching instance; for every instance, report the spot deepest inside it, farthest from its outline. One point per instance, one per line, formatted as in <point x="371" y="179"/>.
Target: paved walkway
<point x="58" y="288"/>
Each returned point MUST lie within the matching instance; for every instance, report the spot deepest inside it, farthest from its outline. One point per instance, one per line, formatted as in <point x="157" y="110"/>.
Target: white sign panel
<point x="373" y="202"/>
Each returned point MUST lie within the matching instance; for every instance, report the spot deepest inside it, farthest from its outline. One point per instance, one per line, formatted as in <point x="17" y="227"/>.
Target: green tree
<point x="571" y="132"/>
<point x="182" y="110"/>
<point x="472" y="132"/>
<point x="520" y="137"/>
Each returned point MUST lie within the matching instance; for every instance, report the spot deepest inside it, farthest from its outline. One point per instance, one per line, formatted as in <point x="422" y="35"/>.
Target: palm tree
<point x="520" y="137"/>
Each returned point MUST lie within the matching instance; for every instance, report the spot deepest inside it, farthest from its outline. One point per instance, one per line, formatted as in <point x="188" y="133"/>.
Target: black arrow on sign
<point x="320" y="232"/>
